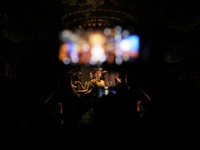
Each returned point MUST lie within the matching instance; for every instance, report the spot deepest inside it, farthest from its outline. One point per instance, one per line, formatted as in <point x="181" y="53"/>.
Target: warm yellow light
<point x="97" y="38"/>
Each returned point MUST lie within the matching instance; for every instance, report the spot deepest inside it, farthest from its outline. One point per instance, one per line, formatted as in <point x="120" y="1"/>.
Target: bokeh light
<point x="94" y="47"/>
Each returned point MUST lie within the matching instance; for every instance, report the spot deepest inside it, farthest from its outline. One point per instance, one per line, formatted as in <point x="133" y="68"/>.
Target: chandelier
<point x="98" y="31"/>
<point x="96" y="14"/>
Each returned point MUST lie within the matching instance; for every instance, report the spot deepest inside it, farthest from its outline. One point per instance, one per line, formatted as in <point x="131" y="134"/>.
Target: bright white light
<point x="98" y="53"/>
<point x="125" y="45"/>
<point x="131" y="43"/>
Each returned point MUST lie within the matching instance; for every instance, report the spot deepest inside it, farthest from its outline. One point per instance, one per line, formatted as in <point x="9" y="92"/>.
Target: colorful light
<point x="92" y="47"/>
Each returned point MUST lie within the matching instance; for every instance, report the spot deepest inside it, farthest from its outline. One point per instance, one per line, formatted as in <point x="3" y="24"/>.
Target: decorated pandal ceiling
<point x="96" y="33"/>
<point x="96" y="14"/>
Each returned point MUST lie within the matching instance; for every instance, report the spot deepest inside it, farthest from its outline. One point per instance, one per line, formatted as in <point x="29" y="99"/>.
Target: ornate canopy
<point x="96" y="14"/>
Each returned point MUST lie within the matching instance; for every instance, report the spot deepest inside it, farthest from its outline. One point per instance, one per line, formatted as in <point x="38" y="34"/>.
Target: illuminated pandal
<point x="93" y="17"/>
<point x="95" y="46"/>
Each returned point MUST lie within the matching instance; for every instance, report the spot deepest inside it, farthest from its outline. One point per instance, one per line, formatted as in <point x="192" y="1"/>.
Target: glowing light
<point x="125" y="45"/>
<point x="131" y="43"/>
<point x="118" y="60"/>
<point x="66" y="60"/>
<point x="111" y="45"/>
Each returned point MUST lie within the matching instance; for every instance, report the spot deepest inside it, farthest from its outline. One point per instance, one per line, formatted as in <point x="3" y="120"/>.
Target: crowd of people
<point x="96" y="102"/>
<point x="97" y="78"/>
<point x="102" y="100"/>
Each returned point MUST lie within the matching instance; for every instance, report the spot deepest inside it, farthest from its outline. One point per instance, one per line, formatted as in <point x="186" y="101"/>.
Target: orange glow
<point x="63" y="51"/>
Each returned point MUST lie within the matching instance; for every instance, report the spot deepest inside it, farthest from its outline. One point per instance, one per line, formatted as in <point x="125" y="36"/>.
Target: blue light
<point x="130" y="43"/>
